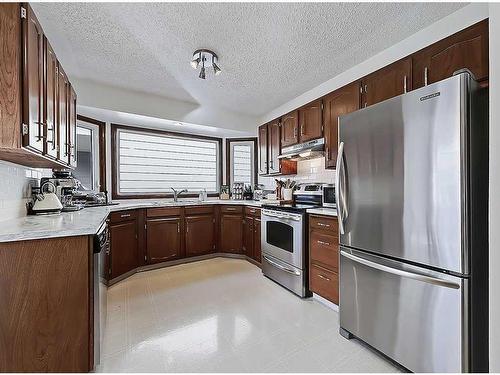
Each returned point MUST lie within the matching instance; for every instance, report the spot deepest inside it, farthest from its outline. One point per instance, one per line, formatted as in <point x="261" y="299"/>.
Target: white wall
<point x="461" y="19"/>
<point x="15" y="188"/>
<point x="96" y="95"/>
<point x="494" y="186"/>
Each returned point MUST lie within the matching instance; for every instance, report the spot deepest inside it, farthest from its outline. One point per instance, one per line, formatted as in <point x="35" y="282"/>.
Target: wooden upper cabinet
<point x="200" y="234"/>
<point x="72" y="126"/>
<point x="62" y="115"/>
<point x="35" y="99"/>
<point x="466" y="49"/>
<point x="10" y="76"/>
<point x="335" y="104"/>
<point x="274" y="148"/>
<point x="263" y="149"/>
<point x="290" y="129"/>
<point x="310" y="121"/>
<point x="33" y="79"/>
<point x="388" y="82"/>
<point x="124" y="247"/>
<point x="163" y="237"/>
<point x="50" y="100"/>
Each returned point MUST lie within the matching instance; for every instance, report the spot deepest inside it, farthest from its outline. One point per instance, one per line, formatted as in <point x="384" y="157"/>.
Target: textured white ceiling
<point x="269" y="52"/>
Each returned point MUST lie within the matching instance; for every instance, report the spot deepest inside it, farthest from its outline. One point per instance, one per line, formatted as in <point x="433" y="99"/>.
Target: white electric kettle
<point x="47" y="202"/>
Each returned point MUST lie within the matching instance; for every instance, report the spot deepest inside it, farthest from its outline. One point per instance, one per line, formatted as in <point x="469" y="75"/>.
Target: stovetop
<point x="295" y="208"/>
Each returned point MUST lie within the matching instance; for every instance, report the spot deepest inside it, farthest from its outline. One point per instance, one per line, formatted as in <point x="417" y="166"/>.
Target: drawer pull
<point x="230" y="209"/>
<point x="124" y="215"/>
<point x="323" y="243"/>
<point x="324" y="277"/>
<point x="324" y="225"/>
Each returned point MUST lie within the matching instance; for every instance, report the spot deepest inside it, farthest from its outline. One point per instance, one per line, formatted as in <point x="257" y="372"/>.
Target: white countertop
<point x="322" y="211"/>
<point x="89" y="220"/>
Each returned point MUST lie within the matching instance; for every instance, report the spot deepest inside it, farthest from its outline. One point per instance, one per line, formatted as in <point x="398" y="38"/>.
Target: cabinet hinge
<point x="23" y="12"/>
<point x="25" y="129"/>
<point x="214" y="247"/>
<point x="145" y="226"/>
<point x="145" y="258"/>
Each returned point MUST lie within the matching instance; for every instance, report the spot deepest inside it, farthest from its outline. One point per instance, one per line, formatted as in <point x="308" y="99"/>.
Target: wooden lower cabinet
<point x="231" y="233"/>
<point x="163" y="239"/>
<point x="324" y="257"/>
<point x="46" y="315"/>
<point x="123" y="243"/>
<point x="257" y="252"/>
<point x="200" y="234"/>
<point x="248" y="236"/>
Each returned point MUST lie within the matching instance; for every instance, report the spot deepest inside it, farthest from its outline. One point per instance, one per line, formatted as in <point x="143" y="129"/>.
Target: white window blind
<point x="151" y="163"/>
<point x="242" y="162"/>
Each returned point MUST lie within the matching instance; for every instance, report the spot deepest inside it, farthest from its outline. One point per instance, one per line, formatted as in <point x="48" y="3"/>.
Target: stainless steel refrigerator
<point x="412" y="177"/>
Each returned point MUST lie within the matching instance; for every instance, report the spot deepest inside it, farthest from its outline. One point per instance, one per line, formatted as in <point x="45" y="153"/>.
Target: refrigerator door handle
<point x="395" y="271"/>
<point x="340" y="206"/>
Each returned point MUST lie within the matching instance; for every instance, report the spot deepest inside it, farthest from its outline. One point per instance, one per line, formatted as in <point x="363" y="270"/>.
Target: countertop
<point x="87" y="221"/>
<point x="322" y="211"/>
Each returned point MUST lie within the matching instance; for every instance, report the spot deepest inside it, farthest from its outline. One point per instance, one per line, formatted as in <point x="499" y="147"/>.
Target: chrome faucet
<point x="177" y="193"/>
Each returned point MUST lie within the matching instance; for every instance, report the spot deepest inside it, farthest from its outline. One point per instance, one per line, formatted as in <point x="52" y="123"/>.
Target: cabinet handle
<point x="324" y="225"/>
<point x="404" y="85"/>
<point x="230" y="209"/>
<point x="366" y="89"/>
<point x="323" y="243"/>
<point x="327" y="153"/>
<point x="426" y="76"/>
<point x="324" y="277"/>
<point x="302" y="129"/>
<point x="40" y="136"/>
<point x="124" y="215"/>
<point x="271" y="164"/>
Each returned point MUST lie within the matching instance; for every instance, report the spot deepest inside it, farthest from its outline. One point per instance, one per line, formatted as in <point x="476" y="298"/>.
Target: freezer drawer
<point x="410" y="314"/>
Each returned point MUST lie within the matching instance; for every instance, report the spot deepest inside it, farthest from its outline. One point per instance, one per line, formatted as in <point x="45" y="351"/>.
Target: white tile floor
<point x="222" y="315"/>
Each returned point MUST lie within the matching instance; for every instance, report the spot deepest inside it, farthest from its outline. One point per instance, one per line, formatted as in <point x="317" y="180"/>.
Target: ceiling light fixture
<point x="207" y="59"/>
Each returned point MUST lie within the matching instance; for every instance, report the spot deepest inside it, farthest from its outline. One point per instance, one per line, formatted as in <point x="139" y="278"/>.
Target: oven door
<point x="282" y="236"/>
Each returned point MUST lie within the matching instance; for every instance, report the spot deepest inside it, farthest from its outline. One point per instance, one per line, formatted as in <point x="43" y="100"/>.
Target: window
<point x="150" y="163"/>
<point x="241" y="161"/>
<point x="87" y="154"/>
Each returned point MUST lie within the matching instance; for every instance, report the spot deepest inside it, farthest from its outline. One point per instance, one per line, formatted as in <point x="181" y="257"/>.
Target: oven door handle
<point x="281" y="216"/>
<point x="283" y="268"/>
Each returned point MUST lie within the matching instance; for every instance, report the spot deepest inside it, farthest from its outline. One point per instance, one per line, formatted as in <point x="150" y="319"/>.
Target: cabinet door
<point x="123" y="237"/>
<point x="62" y="115"/>
<point x="51" y="101"/>
<point x="163" y="239"/>
<point x="310" y="124"/>
<point x="33" y="77"/>
<point x="200" y="235"/>
<point x="339" y="102"/>
<point x="263" y="149"/>
<point x="248" y="236"/>
<point x="72" y="126"/>
<point x="231" y="233"/>
<point x="387" y="82"/>
<point x="289" y="129"/>
<point x="257" y="253"/>
<point x="274" y="146"/>
<point x="466" y="49"/>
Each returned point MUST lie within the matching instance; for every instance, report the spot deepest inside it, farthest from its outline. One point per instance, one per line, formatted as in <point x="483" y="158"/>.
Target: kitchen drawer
<point x="199" y="210"/>
<point x="326" y="223"/>
<point x="231" y="209"/>
<point x="324" y="282"/>
<point x="254" y="211"/>
<point x="324" y="248"/>
<point x="164" y="211"/>
<point x="119" y="216"/>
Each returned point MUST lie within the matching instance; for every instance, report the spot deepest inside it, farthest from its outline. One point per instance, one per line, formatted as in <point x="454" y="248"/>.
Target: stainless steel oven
<point x="284" y="238"/>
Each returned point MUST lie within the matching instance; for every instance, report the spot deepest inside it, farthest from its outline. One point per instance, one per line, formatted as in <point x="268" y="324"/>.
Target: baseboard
<point x="176" y="262"/>
<point x="325" y="302"/>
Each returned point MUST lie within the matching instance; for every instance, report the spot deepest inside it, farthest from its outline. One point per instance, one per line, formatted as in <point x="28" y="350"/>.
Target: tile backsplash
<point x="15" y="188"/>
<point x="307" y="171"/>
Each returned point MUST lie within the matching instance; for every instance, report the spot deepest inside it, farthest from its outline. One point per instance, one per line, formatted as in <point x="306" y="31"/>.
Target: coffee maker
<point x="66" y="186"/>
